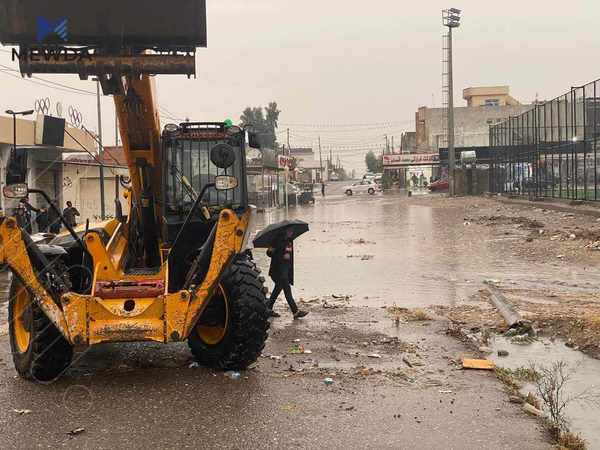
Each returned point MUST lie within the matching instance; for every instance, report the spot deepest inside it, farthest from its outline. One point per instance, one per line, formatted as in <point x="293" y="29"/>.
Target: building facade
<point x="486" y="106"/>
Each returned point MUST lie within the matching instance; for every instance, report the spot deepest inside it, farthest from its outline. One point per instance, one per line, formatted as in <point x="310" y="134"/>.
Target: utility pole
<point x="451" y="19"/>
<point x="392" y="144"/>
<point x="387" y="145"/>
<point x="321" y="160"/>
<point x="288" y="142"/>
<point x="100" y="153"/>
<point x="116" y="128"/>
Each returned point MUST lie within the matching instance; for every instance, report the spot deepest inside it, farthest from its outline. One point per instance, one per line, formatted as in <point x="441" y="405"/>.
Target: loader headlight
<point x="225" y="182"/>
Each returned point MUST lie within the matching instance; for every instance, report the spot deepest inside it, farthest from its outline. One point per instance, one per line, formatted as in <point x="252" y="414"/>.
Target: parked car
<point x="361" y="187"/>
<point x="439" y="185"/>
<point x="334" y="177"/>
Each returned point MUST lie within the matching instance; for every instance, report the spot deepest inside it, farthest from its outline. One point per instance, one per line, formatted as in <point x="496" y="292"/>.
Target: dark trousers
<point x="287" y="290"/>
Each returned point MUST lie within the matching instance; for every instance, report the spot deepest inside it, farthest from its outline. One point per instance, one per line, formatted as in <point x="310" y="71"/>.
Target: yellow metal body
<point x="88" y="319"/>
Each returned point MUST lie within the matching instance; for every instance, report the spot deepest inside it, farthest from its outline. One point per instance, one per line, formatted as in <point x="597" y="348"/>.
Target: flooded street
<point x="396" y="383"/>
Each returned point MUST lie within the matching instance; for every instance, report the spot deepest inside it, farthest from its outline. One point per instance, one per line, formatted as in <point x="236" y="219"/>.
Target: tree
<point x="374" y="164"/>
<point x="264" y="121"/>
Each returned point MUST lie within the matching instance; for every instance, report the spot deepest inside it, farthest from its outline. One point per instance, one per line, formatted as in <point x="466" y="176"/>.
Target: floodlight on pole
<point x="451" y="19"/>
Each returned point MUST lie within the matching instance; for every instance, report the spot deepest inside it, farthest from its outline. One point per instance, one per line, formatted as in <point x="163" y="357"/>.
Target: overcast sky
<point x="330" y="64"/>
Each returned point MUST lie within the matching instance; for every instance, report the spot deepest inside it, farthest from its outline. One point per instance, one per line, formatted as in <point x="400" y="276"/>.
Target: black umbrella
<point x="276" y="232"/>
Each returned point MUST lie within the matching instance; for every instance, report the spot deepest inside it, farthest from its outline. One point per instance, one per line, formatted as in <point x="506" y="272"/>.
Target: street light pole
<point x="100" y="153"/>
<point x="451" y="19"/>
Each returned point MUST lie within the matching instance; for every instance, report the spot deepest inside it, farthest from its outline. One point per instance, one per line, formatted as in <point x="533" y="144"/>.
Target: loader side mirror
<point x="254" y="140"/>
<point x="16" y="169"/>
<point x="18" y="190"/>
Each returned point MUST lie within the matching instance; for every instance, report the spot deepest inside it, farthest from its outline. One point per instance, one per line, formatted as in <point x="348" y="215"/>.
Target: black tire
<point x="247" y="321"/>
<point x="48" y="354"/>
<point x="349" y="192"/>
<point x="371" y="191"/>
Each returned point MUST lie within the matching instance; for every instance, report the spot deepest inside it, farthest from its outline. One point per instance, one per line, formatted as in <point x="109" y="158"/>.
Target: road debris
<point x="532" y="410"/>
<point x="232" y="375"/>
<point x="478" y="364"/>
<point x="374" y="355"/>
<point x="22" y="412"/>
<point x="328" y="381"/>
<point x="194" y="365"/>
<point x="76" y="431"/>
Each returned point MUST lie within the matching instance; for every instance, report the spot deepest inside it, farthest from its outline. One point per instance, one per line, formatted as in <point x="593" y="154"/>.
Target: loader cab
<point x="195" y="154"/>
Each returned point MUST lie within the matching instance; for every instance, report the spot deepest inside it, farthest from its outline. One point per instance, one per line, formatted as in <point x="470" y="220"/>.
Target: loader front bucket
<point x="111" y="37"/>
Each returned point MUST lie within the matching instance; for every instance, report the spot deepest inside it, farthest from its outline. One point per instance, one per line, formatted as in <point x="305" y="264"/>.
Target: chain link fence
<point x="551" y="150"/>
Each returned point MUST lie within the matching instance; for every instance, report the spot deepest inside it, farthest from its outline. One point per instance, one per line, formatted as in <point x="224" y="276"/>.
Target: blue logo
<point x="46" y="28"/>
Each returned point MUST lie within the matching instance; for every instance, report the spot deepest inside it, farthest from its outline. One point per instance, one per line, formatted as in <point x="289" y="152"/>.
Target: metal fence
<point x="551" y="150"/>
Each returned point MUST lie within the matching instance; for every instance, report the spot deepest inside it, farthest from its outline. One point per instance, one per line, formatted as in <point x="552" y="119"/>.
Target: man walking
<point x="282" y="274"/>
<point x="42" y="220"/>
<point x="69" y="213"/>
<point x="53" y="220"/>
<point x="323" y="188"/>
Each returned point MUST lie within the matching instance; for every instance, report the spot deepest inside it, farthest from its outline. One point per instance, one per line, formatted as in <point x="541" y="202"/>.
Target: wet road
<point x="140" y="396"/>
<point x="414" y="253"/>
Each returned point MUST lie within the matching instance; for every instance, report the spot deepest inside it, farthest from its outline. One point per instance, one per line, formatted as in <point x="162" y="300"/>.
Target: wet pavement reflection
<point x="389" y="249"/>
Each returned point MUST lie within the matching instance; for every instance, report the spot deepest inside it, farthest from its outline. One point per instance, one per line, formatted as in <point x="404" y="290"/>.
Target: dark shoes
<point x="274" y="314"/>
<point x="300" y="314"/>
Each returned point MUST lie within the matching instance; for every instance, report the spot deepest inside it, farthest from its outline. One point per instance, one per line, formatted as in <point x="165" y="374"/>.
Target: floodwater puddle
<point x="584" y="418"/>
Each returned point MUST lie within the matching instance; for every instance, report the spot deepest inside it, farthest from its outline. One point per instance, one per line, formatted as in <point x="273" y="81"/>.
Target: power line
<point x="60" y="85"/>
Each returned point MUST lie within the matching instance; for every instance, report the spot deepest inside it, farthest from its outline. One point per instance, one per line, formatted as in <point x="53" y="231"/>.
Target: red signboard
<point x="285" y="162"/>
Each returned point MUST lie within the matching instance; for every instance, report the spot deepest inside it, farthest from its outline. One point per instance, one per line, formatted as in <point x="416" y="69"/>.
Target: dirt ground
<point x="558" y="299"/>
<point x="349" y="375"/>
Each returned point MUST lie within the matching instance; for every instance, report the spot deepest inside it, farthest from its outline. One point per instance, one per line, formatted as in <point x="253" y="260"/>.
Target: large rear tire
<point x="232" y="331"/>
<point x="40" y="352"/>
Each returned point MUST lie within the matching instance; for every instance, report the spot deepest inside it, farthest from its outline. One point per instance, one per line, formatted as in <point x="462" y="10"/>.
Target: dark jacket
<point x="42" y="221"/>
<point x="282" y="269"/>
<point x="54" y="221"/>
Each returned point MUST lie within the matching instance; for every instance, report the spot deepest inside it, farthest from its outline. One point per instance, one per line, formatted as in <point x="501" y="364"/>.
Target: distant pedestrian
<point x="70" y="212"/>
<point x="26" y="215"/>
<point x="282" y="274"/>
<point x="323" y="188"/>
<point x="42" y="220"/>
<point x="54" y="224"/>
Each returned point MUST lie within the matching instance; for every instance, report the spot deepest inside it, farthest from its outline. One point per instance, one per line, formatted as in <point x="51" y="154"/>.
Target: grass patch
<point x="399" y="314"/>
<point x="571" y="441"/>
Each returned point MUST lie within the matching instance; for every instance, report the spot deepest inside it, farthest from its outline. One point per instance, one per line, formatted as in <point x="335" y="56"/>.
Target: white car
<point x="361" y="187"/>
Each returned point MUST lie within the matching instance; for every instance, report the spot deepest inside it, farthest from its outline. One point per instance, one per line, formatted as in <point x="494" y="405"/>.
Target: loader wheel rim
<point x="213" y="334"/>
<point x="22" y="320"/>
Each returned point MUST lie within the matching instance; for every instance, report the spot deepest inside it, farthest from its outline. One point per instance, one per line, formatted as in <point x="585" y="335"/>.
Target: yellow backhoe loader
<point x="175" y="266"/>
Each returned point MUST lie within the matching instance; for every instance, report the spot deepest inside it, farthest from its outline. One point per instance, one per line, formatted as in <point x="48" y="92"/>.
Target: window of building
<point x="492" y="102"/>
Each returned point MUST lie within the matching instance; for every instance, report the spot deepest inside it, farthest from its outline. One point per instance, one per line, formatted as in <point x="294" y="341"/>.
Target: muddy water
<point x="421" y="255"/>
<point x="584" y="418"/>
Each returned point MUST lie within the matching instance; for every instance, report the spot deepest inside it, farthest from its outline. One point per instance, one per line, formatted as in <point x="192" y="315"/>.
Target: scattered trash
<point x="502" y="353"/>
<point x="516" y="399"/>
<point x="406" y="361"/>
<point x="479" y="364"/>
<point x="299" y="349"/>
<point x="252" y="366"/>
<point x="484" y="349"/>
<point x="374" y="355"/>
<point x="22" y="412"/>
<point x="445" y="392"/>
<point x="560" y="256"/>
<point x="194" y="365"/>
<point x="233" y="375"/>
<point x="296" y="340"/>
<point x="76" y="431"/>
<point x="328" y="381"/>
